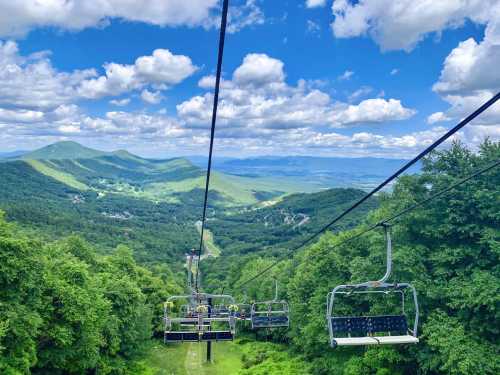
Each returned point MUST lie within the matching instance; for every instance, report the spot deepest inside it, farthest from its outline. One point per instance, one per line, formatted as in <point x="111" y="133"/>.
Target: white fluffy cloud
<point x="259" y="70"/>
<point x="473" y="66"/>
<point x="20" y="115"/>
<point x="241" y="16"/>
<point x="437" y="117"/>
<point x="258" y="99"/>
<point x="32" y="82"/>
<point x="120" y="102"/>
<point x="470" y="73"/>
<point x="37" y="100"/>
<point x="372" y="110"/>
<point x="470" y="76"/>
<point x="20" y="16"/>
<point x="402" y="24"/>
<point x="70" y="120"/>
<point x="161" y="68"/>
<point x="151" y="97"/>
<point x="315" y="3"/>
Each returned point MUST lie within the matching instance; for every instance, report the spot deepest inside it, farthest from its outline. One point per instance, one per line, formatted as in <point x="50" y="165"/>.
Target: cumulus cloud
<point x="161" y="68"/>
<point x="20" y="16"/>
<point x="402" y="24"/>
<point x="437" y="117"/>
<point x="32" y="82"/>
<point x="311" y="141"/>
<point x="120" y="102"/>
<point x="245" y="15"/>
<point x="258" y="70"/>
<point x="470" y="76"/>
<point x="259" y="99"/>
<point x="241" y="14"/>
<point x="70" y="119"/>
<point x="372" y="111"/>
<point x="20" y="115"/>
<point x="315" y="3"/>
<point x="473" y="66"/>
<point x="151" y="97"/>
<point x="470" y="73"/>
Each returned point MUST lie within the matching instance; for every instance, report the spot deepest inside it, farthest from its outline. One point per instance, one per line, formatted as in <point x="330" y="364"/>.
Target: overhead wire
<point x="420" y="204"/>
<point x="388" y="180"/>
<point x="382" y="222"/>
<point x="222" y="37"/>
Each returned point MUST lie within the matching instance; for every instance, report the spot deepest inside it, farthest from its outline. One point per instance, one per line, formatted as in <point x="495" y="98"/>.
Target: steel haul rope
<point x="400" y="171"/>
<point x="222" y="38"/>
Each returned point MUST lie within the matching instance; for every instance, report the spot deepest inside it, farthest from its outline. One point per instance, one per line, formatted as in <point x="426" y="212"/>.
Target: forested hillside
<point x="67" y="310"/>
<point x="151" y="205"/>
<point x="284" y="222"/>
<point x="157" y="231"/>
<point x="448" y="249"/>
<point x="75" y="301"/>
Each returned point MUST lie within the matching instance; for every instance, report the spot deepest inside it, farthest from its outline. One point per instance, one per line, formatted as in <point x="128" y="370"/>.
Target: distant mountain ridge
<point x="320" y="172"/>
<point x="170" y="180"/>
<point x="63" y="150"/>
<point x="248" y="180"/>
<point x="12" y="154"/>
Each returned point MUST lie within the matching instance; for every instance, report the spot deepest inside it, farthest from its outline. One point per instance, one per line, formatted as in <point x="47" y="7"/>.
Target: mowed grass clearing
<point x="65" y="178"/>
<point x="190" y="359"/>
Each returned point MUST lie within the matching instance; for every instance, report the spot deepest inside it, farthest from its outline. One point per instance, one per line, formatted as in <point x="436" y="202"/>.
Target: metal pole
<point x="209" y="343"/>
<point x="387" y="231"/>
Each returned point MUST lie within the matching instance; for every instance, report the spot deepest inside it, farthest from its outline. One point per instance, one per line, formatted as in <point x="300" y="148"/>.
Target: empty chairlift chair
<point x="270" y="314"/>
<point x="195" y="322"/>
<point x="372" y="330"/>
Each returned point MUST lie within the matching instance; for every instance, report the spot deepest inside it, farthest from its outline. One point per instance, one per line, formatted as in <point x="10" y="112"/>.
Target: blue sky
<point x="311" y="77"/>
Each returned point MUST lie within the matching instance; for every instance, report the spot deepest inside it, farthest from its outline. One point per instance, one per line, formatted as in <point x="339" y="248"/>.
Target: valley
<point x="109" y="232"/>
<point x="153" y="206"/>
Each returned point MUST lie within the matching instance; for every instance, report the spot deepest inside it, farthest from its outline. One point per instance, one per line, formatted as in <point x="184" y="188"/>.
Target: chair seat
<point x="355" y="341"/>
<point x="404" y="339"/>
<point x="182" y="337"/>
<point x="217" y="336"/>
<point x="270" y="321"/>
<point x="375" y="340"/>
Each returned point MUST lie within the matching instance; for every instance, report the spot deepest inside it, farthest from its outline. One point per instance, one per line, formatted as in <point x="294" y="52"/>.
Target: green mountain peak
<point x="63" y="150"/>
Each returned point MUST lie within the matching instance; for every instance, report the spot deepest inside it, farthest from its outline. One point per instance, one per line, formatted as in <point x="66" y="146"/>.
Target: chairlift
<point x="243" y="309"/>
<point x="195" y="322"/>
<point x="270" y="314"/>
<point x="373" y="330"/>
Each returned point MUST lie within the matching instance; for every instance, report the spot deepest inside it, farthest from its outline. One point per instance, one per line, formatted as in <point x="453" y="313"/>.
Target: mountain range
<point x="116" y="197"/>
<point x="264" y="176"/>
<point x="121" y="172"/>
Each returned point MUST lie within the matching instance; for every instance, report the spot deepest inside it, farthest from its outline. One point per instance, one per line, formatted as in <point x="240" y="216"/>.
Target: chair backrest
<point x="364" y="325"/>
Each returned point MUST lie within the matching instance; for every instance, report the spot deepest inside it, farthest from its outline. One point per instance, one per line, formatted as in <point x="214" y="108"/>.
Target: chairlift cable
<point x="385" y="221"/>
<point x="222" y="37"/>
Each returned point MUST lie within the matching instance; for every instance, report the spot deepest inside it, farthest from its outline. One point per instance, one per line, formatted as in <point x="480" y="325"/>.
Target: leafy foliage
<point x="448" y="249"/>
<point x="67" y="310"/>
